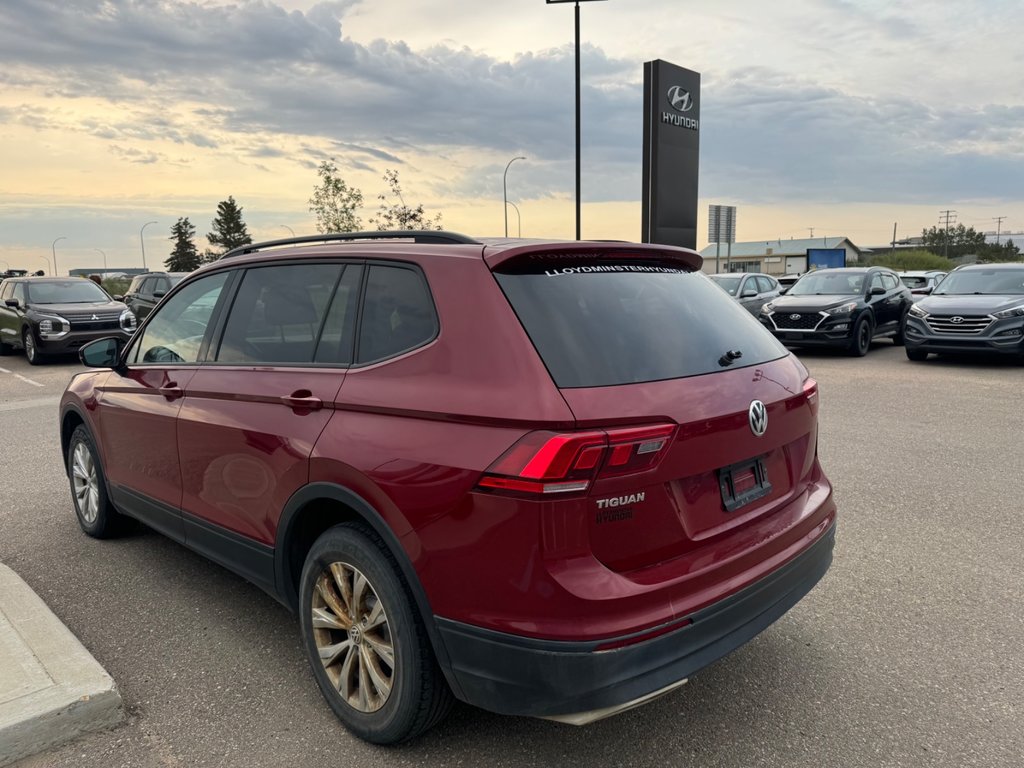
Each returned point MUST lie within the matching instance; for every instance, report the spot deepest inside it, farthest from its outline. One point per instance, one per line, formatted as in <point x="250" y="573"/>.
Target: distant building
<point x="775" y="257"/>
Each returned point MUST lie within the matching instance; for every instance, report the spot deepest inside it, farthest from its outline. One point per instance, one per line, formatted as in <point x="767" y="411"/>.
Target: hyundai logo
<point x="758" y="415"/>
<point x="956" y="319"/>
<point x="680" y="99"/>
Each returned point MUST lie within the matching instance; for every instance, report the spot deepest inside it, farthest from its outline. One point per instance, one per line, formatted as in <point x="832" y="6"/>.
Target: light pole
<point x="288" y="228"/>
<point x="53" y="248"/>
<point x="577" y="2"/>
<point x="143" y="242"/>
<point x="504" y="190"/>
<point x="519" y="219"/>
<point x="104" y="257"/>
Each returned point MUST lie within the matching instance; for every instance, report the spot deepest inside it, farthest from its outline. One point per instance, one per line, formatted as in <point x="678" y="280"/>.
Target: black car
<point x="844" y="308"/>
<point x="977" y="308"/>
<point x="54" y="315"/>
<point x="751" y="289"/>
<point x="146" y="291"/>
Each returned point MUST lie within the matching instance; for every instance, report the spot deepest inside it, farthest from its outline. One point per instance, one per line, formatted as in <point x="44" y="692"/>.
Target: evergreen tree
<point x="398" y="215"/>
<point x="185" y="256"/>
<point x="229" y="231"/>
<point x="953" y="242"/>
<point x="334" y="203"/>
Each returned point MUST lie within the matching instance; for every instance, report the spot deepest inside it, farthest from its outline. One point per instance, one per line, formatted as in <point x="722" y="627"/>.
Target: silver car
<point x="751" y="289"/>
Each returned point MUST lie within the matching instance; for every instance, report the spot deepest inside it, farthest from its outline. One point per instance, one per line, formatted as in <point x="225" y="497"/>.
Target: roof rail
<point x="416" y="235"/>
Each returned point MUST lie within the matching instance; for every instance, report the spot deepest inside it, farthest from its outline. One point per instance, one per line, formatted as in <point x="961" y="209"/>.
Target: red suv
<point x="545" y="478"/>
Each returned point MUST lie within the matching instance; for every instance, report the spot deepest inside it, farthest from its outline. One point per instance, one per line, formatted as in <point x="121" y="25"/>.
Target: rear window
<point x="605" y="324"/>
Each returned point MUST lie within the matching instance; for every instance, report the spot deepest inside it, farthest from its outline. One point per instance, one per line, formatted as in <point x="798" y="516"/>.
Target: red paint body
<point x="413" y="435"/>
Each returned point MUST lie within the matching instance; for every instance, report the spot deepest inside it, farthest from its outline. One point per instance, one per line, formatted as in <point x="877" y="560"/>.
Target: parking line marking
<point x="35" y="402"/>
<point x="28" y="380"/>
<point x="4" y="370"/>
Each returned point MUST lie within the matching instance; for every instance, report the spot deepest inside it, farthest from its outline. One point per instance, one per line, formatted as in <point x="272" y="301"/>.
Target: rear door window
<point x="610" y="323"/>
<point x="278" y="313"/>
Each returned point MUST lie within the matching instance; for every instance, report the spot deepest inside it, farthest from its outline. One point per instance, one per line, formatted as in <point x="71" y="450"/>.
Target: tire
<point x="387" y="687"/>
<point x="96" y="515"/>
<point x="917" y="355"/>
<point x="32" y="353"/>
<point x="862" y="335"/>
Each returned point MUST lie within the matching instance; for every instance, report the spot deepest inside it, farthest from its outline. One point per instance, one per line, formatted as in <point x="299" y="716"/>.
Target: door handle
<point x="172" y="391"/>
<point x="303" y="400"/>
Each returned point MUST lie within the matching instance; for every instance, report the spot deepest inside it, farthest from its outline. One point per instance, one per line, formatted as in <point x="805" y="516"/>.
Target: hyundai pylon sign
<point x="671" y="154"/>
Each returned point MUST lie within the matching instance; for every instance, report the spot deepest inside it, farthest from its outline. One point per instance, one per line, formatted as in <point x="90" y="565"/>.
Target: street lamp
<point x="504" y="190"/>
<point x="285" y="226"/>
<point x="53" y="248"/>
<point x="143" y="242"/>
<point x="519" y="219"/>
<point x="104" y="257"/>
<point x="553" y="2"/>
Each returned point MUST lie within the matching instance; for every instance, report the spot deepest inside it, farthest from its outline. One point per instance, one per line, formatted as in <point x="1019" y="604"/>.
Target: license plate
<point x="794" y="336"/>
<point x="743" y="483"/>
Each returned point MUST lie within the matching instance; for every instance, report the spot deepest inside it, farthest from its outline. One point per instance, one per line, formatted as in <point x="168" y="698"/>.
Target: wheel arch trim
<point x="367" y="514"/>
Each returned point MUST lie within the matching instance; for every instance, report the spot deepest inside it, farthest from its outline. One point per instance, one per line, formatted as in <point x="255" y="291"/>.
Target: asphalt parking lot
<point x="909" y="653"/>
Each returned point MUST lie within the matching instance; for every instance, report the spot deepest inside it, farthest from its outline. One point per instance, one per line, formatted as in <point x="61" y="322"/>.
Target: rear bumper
<point x="523" y="676"/>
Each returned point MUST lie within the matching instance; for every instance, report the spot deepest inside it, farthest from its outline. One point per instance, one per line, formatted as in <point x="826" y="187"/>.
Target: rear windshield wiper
<point x="730" y="357"/>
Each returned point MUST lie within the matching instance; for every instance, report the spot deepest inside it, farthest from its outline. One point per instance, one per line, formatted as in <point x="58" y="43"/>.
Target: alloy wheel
<point x="86" y="483"/>
<point x="353" y="637"/>
<point x="30" y="347"/>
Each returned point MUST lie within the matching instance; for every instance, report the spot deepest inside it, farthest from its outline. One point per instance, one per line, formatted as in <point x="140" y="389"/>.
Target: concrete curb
<point x="51" y="688"/>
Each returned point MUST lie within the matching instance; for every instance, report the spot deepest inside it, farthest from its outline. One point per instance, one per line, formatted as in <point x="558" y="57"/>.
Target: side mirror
<point x="102" y="353"/>
<point x="118" y="297"/>
<point x="877" y="291"/>
<point x="926" y="290"/>
<point x="11" y="302"/>
<point x="159" y="294"/>
<point x="749" y="295"/>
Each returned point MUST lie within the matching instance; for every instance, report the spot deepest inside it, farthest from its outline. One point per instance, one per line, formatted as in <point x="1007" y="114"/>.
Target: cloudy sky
<point x="844" y="116"/>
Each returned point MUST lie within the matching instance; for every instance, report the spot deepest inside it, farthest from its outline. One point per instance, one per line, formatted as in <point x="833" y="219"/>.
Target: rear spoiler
<point x="541" y="254"/>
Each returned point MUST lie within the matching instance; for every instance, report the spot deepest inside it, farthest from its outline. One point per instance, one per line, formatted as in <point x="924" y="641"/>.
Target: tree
<point x="229" y="231"/>
<point x="399" y="215"/>
<point x="334" y="203"/>
<point x="957" y="241"/>
<point x="185" y="256"/>
<point x="992" y="253"/>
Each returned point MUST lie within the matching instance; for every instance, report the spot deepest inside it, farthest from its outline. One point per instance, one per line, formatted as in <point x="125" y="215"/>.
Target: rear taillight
<point x="567" y="462"/>
<point x="811" y="393"/>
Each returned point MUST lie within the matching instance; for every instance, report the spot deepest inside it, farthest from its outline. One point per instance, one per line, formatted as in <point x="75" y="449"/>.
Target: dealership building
<point x="775" y="257"/>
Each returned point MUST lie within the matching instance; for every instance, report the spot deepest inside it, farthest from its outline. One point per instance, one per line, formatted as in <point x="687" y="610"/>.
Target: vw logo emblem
<point x="956" y="319"/>
<point x="794" y="317"/>
<point x="680" y="99"/>
<point x="758" y="415"/>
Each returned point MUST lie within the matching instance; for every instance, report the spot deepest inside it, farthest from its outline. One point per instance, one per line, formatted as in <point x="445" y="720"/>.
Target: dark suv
<point x="147" y="289"/>
<point x="845" y="308"/>
<point x="547" y="479"/>
<point x="53" y="315"/>
<point x="978" y="308"/>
